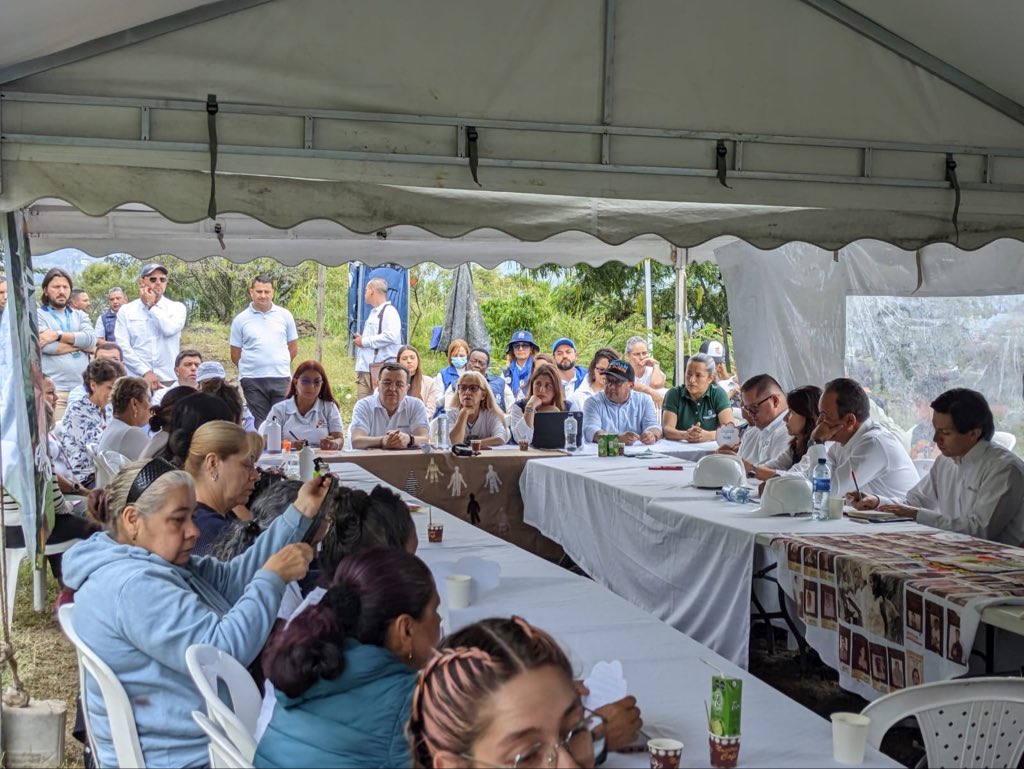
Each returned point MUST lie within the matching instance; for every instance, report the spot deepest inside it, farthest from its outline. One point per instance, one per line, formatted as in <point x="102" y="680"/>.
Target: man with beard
<point x="65" y="337"/>
<point x="564" y="353"/>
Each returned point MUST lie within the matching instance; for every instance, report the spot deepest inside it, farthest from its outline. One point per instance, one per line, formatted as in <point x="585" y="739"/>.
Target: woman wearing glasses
<point x="519" y="359"/>
<point x="544" y="393"/>
<point x="142" y="599"/>
<point x="478" y="416"/>
<point x="309" y="413"/>
<point x="593" y="382"/>
<point x="506" y="667"/>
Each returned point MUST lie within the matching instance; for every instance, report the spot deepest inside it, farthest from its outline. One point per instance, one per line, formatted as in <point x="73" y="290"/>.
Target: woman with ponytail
<point x="500" y="693"/>
<point x="345" y="669"/>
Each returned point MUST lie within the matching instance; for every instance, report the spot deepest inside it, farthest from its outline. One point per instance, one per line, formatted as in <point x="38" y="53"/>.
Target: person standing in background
<point x="264" y="342"/>
<point x="381" y="337"/>
<point x="79" y="300"/>
<point x="149" y="329"/>
<point x="108" y="318"/>
<point x="65" y="337"/>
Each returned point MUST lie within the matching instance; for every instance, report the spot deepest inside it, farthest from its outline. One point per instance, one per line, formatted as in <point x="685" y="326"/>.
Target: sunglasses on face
<point x="469" y="388"/>
<point x="310" y="382"/>
<point x="157" y="278"/>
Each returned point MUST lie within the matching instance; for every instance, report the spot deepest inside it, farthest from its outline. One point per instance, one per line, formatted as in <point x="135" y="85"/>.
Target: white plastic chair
<point x="208" y="666"/>
<point x="966" y="722"/>
<point x="223" y="754"/>
<point x="1006" y="440"/>
<point x="107" y="463"/>
<point x="923" y="466"/>
<point x="119" y="708"/>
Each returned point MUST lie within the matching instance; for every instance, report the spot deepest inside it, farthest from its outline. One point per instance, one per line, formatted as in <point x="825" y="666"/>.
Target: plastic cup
<point x="458" y="587"/>
<point x="476" y="444"/>
<point x="849" y="737"/>
<point x="665" y="754"/>
<point x="835" y="508"/>
<point x="435" y="532"/>
<point x="725" y="751"/>
<point x="524" y="445"/>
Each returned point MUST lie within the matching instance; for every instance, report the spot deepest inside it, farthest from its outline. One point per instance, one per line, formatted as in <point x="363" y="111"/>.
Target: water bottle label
<point x="822" y="484"/>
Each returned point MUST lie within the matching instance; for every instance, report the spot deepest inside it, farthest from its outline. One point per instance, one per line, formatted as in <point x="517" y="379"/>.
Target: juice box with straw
<point x="726" y="702"/>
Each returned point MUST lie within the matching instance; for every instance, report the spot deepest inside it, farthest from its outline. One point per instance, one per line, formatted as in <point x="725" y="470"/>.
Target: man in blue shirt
<point x="620" y="410"/>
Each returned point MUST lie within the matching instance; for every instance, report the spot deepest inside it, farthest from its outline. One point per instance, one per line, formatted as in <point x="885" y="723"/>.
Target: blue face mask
<point x="459" y="361"/>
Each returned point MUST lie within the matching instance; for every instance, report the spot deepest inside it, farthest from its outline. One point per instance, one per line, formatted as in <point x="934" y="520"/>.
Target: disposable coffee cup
<point x="665" y="754"/>
<point x="524" y="445"/>
<point x="476" y="444"/>
<point x="435" y="532"/>
<point x="835" y="508"/>
<point x="458" y="587"/>
<point x="849" y="737"/>
<point x="725" y="751"/>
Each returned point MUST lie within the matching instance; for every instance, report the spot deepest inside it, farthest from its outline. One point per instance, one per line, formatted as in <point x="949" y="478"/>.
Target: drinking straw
<point x="723" y="675"/>
<point x="430" y="515"/>
<point x="707" y="712"/>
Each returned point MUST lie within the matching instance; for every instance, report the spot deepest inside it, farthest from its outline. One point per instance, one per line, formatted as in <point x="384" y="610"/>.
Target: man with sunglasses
<point x="149" y="329"/>
<point x="764" y="407"/>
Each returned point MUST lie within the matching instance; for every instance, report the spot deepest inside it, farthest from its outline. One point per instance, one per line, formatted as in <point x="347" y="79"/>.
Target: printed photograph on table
<point x="844" y="649"/>
<point x="915" y="616"/>
<point x="827" y="565"/>
<point x="915" y="668"/>
<point x="827" y="595"/>
<point x="934" y="625"/>
<point x="798" y="595"/>
<point x="810" y="602"/>
<point x="860" y="663"/>
<point x="810" y="559"/>
<point x="796" y="563"/>
<point x="897" y="669"/>
<point x="955" y="651"/>
<point x="879" y="668"/>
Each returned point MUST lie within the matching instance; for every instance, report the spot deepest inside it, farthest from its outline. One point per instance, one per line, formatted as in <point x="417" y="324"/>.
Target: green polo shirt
<point x="711" y="403"/>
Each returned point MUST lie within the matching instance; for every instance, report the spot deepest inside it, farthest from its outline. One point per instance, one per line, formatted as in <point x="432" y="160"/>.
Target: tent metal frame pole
<point x="607" y="81"/>
<point x="919" y="57"/>
<point x="648" y="310"/>
<point x="680" y="266"/>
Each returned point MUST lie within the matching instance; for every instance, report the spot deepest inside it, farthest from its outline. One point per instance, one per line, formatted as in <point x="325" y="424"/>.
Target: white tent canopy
<point x="363" y="112"/>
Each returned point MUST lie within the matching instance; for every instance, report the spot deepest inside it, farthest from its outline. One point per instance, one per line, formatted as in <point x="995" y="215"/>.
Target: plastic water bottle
<point x="740" y="494"/>
<point x="822" y="483"/>
<point x="306" y="464"/>
<point x="443" y="441"/>
<point x="570" y="433"/>
<point x="274" y="437"/>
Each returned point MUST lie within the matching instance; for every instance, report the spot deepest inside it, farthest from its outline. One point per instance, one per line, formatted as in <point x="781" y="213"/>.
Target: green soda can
<point x="602" y="445"/>
<point x="726" y="703"/>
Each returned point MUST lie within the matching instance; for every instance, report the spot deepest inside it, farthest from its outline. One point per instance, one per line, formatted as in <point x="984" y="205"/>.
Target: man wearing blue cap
<point x="564" y="353"/>
<point x="519" y="357"/>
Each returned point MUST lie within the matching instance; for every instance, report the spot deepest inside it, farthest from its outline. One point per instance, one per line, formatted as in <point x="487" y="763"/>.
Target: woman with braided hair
<point x="501" y="693"/>
<point x="345" y="669"/>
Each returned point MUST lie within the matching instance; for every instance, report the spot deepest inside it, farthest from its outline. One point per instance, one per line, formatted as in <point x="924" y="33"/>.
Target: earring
<point x="410" y="656"/>
<point x="213" y="476"/>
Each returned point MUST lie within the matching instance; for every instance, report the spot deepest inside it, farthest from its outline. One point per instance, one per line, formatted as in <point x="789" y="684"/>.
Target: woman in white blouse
<point x="478" y="415"/>
<point x="800" y="422"/>
<point x="543" y="393"/>
<point x="309" y="413"/>
<point x="130" y="400"/>
<point x="85" y="419"/>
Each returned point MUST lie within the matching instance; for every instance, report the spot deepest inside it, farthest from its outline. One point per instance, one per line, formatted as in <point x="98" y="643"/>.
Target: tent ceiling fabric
<point x="831" y="137"/>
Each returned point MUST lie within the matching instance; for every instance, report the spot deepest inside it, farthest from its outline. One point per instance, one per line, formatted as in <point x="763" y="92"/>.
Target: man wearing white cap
<point x="149" y="329"/>
<point x="564" y="353"/>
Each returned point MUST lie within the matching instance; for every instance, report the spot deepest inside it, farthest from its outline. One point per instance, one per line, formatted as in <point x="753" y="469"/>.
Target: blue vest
<point x="498" y="388"/>
<point x="109" y="319"/>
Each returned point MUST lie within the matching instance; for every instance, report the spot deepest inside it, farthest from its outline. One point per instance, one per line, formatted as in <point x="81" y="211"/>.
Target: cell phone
<point x="318" y="519"/>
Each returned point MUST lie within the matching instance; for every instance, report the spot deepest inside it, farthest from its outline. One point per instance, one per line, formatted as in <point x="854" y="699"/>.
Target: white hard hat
<point x="785" y="495"/>
<point x="717" y="470"/>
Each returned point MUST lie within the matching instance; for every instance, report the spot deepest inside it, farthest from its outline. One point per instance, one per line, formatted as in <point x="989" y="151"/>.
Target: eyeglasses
<point x="522" y="346"/>
<point x="578" y="742"/>
<point x="157" y="278"/>
<point x="753" y="407"/>
<point x="310" y="382"/>
<point x="469" y="388"/>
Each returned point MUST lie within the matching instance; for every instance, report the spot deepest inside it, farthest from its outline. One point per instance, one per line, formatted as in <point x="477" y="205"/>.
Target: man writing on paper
<point x="976" y="487"/>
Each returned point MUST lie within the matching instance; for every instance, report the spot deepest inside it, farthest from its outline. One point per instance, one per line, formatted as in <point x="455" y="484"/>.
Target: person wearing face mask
<point x="444" y="382"/>
<point x="142" y="598"/>
<point x="480" y="362"/>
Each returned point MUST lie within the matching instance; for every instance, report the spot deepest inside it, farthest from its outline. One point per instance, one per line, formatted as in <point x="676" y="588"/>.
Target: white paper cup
<point x="835" y="508"/>
<point x="458" y="587"/>
<point x="849" y="737"/>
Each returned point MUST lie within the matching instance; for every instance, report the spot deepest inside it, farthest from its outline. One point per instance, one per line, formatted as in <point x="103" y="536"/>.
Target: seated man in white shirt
<point x="864" y="457"/>
<point x="976" y="487"/>
<point x="390" y="419"/>
<point x="764" y="407"/>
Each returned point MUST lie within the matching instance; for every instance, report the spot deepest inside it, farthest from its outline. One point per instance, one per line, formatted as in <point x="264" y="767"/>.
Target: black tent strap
<point x="951" y="178"/>
<point x="474" y="151"/>
<point x="721" y="153"/>
<point x="211" y="127"/>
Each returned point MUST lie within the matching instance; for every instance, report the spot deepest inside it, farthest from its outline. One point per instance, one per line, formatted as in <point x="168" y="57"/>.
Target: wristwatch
<point x="412" y="441"/>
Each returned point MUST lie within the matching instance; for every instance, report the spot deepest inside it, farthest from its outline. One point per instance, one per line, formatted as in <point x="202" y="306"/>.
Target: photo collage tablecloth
<point x="891" y="610"/>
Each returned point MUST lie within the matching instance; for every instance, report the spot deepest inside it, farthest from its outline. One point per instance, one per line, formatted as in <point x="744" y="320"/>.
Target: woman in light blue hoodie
<point x="142" y="599"/>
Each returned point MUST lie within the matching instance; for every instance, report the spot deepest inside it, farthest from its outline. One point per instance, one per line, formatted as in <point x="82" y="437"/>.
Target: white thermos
<point x="306" y="464"/>
<point x="274" y="437"/>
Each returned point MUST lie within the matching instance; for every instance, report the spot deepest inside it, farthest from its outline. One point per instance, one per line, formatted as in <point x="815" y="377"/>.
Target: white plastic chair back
<point x="923" y="466"/>
<point x="223" y="755"/>
<point x="966" y="722"/>
<point x="209" y="665"/>
<point x="119" y="708"/>
<point x="107" y="463"/>
<point x="1006" y="440"/>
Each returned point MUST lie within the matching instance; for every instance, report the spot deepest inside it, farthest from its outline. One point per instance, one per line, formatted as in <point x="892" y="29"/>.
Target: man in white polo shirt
<point x="149" y="329"/>
<point x="390" y="419"/>
<point x="381" y="337"/>
<point x="264" y="342"/>
<point x="764" y="407"/>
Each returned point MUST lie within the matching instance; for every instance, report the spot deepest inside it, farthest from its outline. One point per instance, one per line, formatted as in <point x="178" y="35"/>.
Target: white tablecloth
<point x="663" y="668"/>
<point x="681" y="553"/>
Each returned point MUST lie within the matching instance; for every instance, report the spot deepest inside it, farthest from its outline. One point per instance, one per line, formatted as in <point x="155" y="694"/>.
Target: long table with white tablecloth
<point x="681" y="553"/>
<point x="663" y="668"/>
